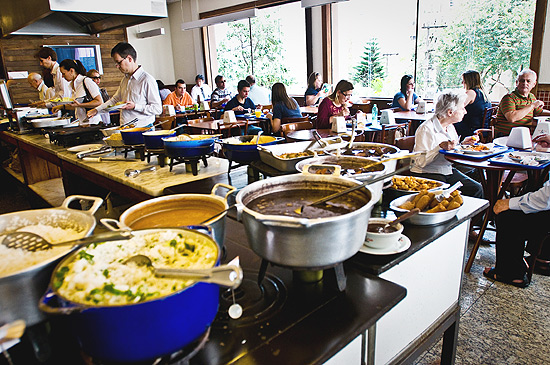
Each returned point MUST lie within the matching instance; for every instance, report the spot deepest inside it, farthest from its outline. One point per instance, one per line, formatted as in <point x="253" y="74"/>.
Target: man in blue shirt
<point x="241" y="103"/>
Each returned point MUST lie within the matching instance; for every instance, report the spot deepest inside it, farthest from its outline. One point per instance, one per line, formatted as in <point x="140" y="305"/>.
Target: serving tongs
<point x="99" y="151"/>
<point x="29" y="241"/>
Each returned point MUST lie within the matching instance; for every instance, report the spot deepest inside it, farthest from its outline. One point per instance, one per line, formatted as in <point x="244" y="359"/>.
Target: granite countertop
<point x="152" y="183"/>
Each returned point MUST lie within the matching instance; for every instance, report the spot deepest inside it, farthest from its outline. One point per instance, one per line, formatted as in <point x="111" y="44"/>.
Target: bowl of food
<point x="134" y="136"/>
<point x="114" y="140"/>
<point x="433" y="210"/>
<point x="381" y="236"/>
<point x="405" y="185"/>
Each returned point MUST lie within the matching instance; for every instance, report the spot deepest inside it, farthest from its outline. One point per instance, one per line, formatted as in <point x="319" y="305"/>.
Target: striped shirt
<point x="509" y="103"/>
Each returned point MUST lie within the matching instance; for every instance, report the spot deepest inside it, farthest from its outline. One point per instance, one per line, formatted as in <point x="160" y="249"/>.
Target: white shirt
<point x="44" y="92"/>
<point x="533" y="202"/>
<point x="142" y="89"/>
<point x="427" y="138"/>
<point x="259" y="95"/>
<point x="60" y="85"/>
<point x="196" y="92"/>
<point x="78" y="93"/>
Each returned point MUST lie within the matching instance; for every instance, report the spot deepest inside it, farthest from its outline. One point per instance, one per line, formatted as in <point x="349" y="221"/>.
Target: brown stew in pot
<point x="284" y="203"/>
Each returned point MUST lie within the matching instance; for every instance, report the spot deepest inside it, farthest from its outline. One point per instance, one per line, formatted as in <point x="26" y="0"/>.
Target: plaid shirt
<point x="512" y="102"/>
<point x="220" y="94"/>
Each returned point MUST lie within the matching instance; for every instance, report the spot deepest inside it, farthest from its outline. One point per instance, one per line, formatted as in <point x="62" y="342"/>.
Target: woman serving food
<point x="438" y="133"/>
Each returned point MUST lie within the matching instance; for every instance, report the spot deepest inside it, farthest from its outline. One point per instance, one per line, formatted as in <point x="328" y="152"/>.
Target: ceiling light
<point x="150" y="33"/>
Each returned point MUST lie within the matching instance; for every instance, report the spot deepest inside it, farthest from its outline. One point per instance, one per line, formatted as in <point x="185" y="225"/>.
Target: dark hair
<point x="342" y="86"/>
<point x="199" y="77"/>
<point x="242" y="84"/>
<point x="180" y="81"/>
<point x="279" y="95"/>
<point x="74" y="64"/>
<point x="160" y="84"/>
<point x="217" y="79"/>
<point x="311" y="79"/>
<point x="472" y="80"/>
<point x="124" y="50"/>
<point x="251" y="79"/>
<point x="404" y="81"/>
<point x="46" y="52"/>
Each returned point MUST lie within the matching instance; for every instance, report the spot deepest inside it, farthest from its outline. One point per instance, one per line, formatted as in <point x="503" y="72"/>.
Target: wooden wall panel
<point x="18" y="53"/>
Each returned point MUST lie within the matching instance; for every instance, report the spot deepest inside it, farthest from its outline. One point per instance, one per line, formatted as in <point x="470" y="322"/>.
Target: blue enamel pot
<point x="134" y="136"/>
<point x="153" y="139"/>
<point x="241" y="148"/>
<point x="141" y="331"/>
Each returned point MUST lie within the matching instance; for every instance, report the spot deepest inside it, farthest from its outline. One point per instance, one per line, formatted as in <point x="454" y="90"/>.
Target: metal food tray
<point x="422" y="218"/>
<point x="50" y="122"/>
<point x="498" y="150"/>
<point x="268" y="154"/>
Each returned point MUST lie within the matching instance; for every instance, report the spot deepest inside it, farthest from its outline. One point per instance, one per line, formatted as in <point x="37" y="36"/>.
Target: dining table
<point x="219" y="126"/>
<point x="308" y="134"/>
<point x="309" y="110"/>
<point x="415" y="118"/>
<point x="494" y="186"/>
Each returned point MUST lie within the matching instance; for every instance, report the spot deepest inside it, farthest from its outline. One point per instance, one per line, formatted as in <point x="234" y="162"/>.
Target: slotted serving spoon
<point x="29" y="241"/>
<point x="226" y="275"/>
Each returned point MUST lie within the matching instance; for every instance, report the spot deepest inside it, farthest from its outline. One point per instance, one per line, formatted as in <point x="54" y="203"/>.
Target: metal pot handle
<point x="203" y="229"/>
<point x="95" y="206"/>
<point x="230" y="189"/>
<point x="112" y="224"/>
<point x="45" y="305"/>
<point x="276" y="222"/>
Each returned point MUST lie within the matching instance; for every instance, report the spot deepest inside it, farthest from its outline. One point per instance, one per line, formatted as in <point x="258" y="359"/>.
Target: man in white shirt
<point x="258" y="94"/>
<point x="137" y="89"/>
<point x="48" y="60"/>
<point x="44" y="92"/>
<point x="201" y="90"/>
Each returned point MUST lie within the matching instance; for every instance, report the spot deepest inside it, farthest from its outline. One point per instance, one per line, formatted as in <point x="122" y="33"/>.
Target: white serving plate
<point x="85" y="148"/>
<point x="465" y="150"/>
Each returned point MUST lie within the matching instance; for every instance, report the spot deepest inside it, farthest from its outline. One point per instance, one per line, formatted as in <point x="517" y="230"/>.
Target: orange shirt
<point x="172" y="99"/>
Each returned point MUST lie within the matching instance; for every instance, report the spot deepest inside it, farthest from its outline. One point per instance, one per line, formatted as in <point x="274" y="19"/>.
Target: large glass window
<point x="492" y="37"/>
<point x="276" y="53"/>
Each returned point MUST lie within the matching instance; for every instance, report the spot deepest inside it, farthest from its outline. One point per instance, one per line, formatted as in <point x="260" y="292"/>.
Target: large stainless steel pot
<point x="141" y="331"/>
<point x="174" y="211"/>
<point x="20" y="291"/>
<point x="301" y="242"/>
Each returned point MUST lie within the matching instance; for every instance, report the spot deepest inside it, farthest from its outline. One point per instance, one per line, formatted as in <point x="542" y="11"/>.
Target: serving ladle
<point x="29" y="241"/>
<point x="226" y="275"/>
<point x="405" y="216"/>
<point x="136" y="172"/>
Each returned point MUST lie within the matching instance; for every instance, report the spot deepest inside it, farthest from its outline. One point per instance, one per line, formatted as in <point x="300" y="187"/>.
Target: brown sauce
<point x="379" y="228"/>
<point x="174" y="218"/>
<point x="284" y="203"/>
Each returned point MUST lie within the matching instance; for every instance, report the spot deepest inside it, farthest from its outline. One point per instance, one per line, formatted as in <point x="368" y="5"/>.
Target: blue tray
<point x="498" y="150"/>
<point x="503" y="160"/>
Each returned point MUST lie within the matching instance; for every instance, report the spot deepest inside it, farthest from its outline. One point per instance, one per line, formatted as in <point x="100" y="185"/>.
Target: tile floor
<point x="499" y="323"/>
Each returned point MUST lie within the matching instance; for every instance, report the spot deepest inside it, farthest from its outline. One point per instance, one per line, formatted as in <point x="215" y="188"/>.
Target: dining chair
<point x="390" y="132"/>
<point x="405" y="143"/>
<point x="299" y="124"/>
<point x="168" y="122"/>
<point x="364" y="107"/>
<point x="267" y="108"/>
<point x="489" y="116"/>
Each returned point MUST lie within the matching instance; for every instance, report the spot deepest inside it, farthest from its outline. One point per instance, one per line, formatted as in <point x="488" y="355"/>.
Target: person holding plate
<point x="439" y="133"/>
<point x="531" y="212"/>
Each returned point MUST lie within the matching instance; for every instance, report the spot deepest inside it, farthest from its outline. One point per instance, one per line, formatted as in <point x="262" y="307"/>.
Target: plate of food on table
<point x="529" y="158"/>
<point x="476" y="148"/>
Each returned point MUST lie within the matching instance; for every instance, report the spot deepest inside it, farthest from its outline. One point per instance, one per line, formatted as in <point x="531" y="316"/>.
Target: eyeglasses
<point x="117" y="63"/>
<point x="96" y="77"/>
<point x="222" y="81"/>
<point x="348" y="95"/>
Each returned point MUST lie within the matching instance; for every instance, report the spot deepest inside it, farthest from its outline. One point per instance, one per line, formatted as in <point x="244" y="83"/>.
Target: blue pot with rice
<point x="121" y="313"/>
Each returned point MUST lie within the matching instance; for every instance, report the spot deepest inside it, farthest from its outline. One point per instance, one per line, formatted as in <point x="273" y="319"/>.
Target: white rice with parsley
<point x="13" y="260"/>
<point x="98" y="275"/>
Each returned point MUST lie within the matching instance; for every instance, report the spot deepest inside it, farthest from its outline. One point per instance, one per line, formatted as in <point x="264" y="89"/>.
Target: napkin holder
<point x="543" y="127"/>
<point x="229" y="117"/>
<point x="421" y="108"/>
<point x="204" y="105"/>
<point x="387" y="117"/>
<point x="519" y="138"/>
<point x="168" y="110"/>
<point x="338" y="124"/>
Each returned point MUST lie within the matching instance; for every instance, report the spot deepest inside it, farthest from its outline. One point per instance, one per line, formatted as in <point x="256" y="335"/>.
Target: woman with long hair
<point x="406" y="97"/>
<point x="476" y="102"/>
<point x="283" y="106"/>
<point x="85" y="92"/>
<point x="314" y="92"/>
<point x="335" y="104"/>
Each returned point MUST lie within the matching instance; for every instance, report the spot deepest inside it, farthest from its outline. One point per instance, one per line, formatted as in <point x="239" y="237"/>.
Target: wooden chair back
<point x="392" y="131"/>
<point x="364" y="107"/>
<point x="405" y="143"/>
<point x="267" y="108"/>
<point x="295" y="126"/>
<point x="489" y="116"/>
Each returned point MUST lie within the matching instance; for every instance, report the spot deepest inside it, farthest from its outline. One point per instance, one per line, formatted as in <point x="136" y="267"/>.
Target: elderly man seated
<point x="518" y="108"/>
<point x="521" y="219"/>
<point x="179" y="97"/>
<point x="44" y="92"/>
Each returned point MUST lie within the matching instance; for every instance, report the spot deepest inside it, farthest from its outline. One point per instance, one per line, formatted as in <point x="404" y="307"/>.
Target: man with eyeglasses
<point x="221" y="95"/>
<point x="201" y="91"/>
<point x="137" y="89"/>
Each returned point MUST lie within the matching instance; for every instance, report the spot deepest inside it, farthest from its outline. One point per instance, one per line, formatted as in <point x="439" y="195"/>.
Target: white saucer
<point x="85" y="148"/>
<point x="403" y="244"/>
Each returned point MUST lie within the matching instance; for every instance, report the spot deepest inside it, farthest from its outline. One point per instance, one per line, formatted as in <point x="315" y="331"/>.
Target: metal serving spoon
<point x="29" y="241"/>
<point x="135" y="172"/>
<point x="405" y="216"/>
<point x="226" y="275"/>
